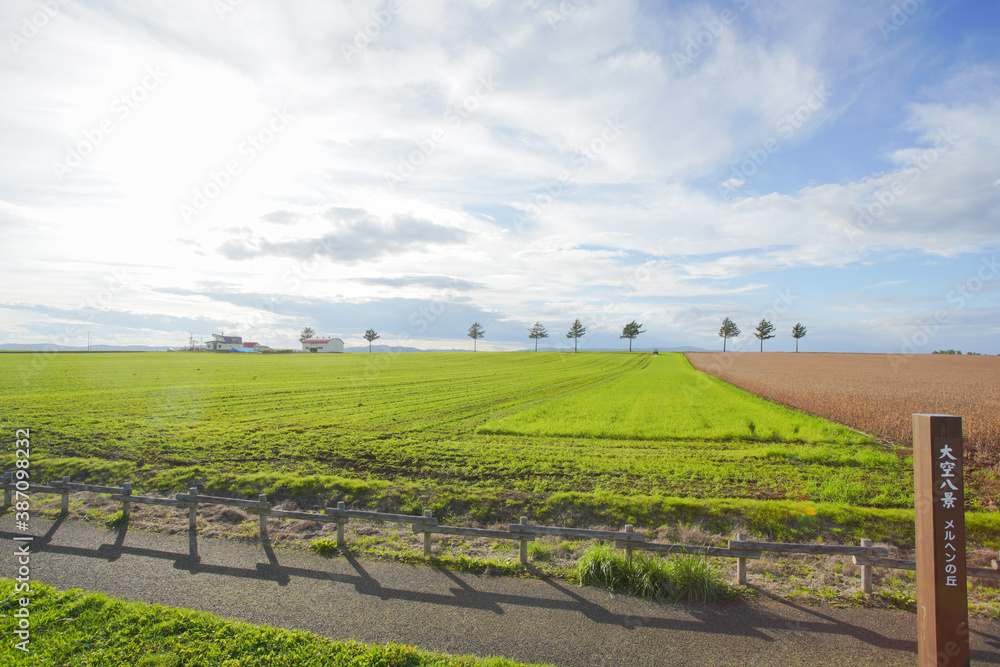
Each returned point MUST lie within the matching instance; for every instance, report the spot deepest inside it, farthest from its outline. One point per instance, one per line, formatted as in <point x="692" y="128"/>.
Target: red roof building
<point x="322" y="345"/>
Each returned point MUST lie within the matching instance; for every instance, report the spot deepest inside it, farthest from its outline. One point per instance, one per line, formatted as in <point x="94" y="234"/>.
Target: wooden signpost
<point x="939" y="497"/>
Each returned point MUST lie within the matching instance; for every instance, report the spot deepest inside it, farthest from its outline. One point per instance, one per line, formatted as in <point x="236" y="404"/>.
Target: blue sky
<point x="254" y="167"/>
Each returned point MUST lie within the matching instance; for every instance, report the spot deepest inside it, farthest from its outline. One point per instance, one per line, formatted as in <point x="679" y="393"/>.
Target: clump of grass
<point x="603" y="566"/>
<point x="697" y="579"/>
<point x="539" y="551"/>
<point x="324" y="546"/>
<point x="116" y="520"/>
<point x="684" y="577"/>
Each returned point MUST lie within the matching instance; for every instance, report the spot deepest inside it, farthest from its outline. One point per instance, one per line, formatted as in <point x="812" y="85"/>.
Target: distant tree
<point x="370" y="335"/>
<point x="306" y="334"/>
<point x="537" y="331"/>
<point x="728" y="330"/>
<point x="798" y="331"/>
<point x="475" y="333"/>
<point x="630" y="331"/>
<point x="764" y="331"/>
<point x="576" y="332"/>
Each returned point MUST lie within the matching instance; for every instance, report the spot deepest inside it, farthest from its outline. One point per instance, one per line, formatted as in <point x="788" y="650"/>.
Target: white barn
<point x="322" y="345"/>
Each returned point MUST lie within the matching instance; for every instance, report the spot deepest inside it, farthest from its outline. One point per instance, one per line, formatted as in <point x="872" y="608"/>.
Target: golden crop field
<point x="876" y="393"/>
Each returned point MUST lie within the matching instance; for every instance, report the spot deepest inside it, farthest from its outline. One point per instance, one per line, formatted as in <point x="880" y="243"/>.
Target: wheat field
<point x="876" y="393"/>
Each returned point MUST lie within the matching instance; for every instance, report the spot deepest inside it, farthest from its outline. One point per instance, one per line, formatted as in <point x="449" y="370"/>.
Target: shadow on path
<point x="767" y="623"/>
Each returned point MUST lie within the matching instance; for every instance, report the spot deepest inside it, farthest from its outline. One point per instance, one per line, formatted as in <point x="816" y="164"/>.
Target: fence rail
<point x="723" y="552"/>
<point x="816" y="549"/>
<point x="865" y="555"/>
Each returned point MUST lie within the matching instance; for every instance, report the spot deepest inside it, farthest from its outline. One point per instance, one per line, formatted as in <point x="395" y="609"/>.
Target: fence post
<point x="126" y="505"/>
<point x="628" y="550"/>
<point x="193" y="510"/>
<point x="741" y="563"/>
<point x="341" y="543"/>
<point x="64" y="502"/>
<point x="524" y="543"/>
<point x="427" y="536"/>
<point x="262" y="499"/>
<point x="866" y="571"/>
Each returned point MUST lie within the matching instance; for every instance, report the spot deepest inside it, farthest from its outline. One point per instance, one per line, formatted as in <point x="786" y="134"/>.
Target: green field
<point x="586" y="437"/>
<point x="664" y="400"/>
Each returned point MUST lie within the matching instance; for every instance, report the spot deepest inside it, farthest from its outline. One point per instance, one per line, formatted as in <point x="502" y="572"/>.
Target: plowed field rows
<point x="877" y="394"/>
<point x="485" y="427"/>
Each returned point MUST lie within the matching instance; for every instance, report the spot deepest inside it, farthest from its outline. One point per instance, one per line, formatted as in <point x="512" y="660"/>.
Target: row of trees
<point x="763" y="331"/>
<point x="576" y="331"/>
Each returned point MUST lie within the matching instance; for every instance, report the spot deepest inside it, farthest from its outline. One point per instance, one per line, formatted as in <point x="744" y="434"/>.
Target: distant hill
<point x="50" y="347"/>
<point x="393" y="348"/>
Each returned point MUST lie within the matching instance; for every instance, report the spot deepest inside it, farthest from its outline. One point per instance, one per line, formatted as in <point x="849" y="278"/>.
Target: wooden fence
<point x="865" y="555"/>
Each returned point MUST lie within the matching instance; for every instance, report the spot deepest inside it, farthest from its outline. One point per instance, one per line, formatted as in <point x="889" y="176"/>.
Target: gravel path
<point x="437" y="609"/>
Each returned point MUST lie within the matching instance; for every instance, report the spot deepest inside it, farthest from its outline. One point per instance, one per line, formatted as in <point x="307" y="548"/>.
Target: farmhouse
<point x="322" y="345"/>
<point x="221" y="343"/>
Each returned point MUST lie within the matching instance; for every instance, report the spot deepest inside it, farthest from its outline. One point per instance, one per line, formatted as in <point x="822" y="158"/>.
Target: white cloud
<point x="449" y="119"/>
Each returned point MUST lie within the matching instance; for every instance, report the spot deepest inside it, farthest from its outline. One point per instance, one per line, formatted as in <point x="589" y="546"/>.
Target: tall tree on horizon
<point x="728" y="330"/>
<point x="306" y="334"/>
<point x="763" y="331"/>
<point x="630" y="331"/>
<point x="370" y="335"/>
<point x="475" y="333"/>
<point x="576" y="332"/>
<point x="798" y="331"/>
<point x="537" y="331"/>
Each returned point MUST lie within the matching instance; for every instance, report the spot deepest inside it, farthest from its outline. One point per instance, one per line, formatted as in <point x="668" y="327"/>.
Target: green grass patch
<point x="683" y="577"/>
<point x="324" y="546"/>
<point x="668" y="400"/>
<point x="94" y="630"/>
